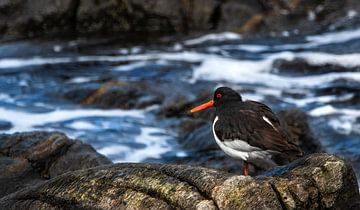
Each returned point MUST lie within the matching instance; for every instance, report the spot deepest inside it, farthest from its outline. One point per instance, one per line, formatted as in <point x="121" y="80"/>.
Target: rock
<point x="113" y="94"/>
<point x="180" y="103"/>
<point x="238" y="17"/>
<point x="302" y="67"/>
<point x="119" y="95"/>
<point x="21" y="19"/>
<point x="318" y="181"/>
<point x="27" y="19"/>
<point x="297" y="124"/>
<point x="30" y="158"/>
<point x="5" y="125"/>
<point x="321" y="168"/>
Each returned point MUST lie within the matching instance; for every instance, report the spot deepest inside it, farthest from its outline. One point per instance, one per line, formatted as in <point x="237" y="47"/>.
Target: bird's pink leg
<point x="246" y="168"/>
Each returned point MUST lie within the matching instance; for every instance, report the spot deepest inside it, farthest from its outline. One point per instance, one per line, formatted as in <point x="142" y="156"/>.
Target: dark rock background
<point x="21" y="19"/>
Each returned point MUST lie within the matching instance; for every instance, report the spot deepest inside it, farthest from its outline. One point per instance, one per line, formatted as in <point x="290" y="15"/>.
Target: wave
<point x="247" y="71"/>
<point x="331" y="110"/>
<point x="24" y="121"/>
<point x="213" y="37"/>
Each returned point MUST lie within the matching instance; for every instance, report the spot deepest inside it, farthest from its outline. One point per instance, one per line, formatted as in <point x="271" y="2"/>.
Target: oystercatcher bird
<point x="248" y="130"/>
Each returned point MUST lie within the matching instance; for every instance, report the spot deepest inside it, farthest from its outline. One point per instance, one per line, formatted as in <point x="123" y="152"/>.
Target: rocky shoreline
<point x="24" y="19"/>
<point x="48" y="170"/>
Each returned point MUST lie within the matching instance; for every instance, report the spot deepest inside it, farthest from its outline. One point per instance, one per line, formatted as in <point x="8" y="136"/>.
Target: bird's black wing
<point x="256" y="124"/>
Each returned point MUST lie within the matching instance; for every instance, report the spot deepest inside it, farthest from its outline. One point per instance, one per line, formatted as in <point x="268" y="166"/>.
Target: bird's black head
<point x="222" y="95"/>
<point x="225" y="95"/>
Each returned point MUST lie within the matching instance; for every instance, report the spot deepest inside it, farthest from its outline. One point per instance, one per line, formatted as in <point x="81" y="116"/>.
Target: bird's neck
<point x="221" y="108"/>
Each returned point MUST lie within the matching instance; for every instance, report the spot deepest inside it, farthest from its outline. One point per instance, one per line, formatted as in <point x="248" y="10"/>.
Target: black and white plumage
<point x="248" y="130"/>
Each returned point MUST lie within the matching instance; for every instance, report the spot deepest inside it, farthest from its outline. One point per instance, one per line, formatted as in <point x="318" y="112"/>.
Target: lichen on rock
<point x="317" y="181"/>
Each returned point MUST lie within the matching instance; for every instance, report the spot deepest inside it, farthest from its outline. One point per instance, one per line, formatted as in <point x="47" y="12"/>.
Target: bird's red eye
<point x="218" y="95"/>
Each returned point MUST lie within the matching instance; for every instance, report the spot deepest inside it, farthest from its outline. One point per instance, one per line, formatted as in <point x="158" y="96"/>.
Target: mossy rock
<point x="318" y="181"/>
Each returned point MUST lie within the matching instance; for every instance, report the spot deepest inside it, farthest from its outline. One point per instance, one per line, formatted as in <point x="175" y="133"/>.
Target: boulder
<point x="112" y="94"/>
<point x="30" y="158"/>
<point x="318" y="181"/>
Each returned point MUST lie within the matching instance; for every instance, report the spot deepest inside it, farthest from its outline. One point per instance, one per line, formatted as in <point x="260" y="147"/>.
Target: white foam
<point x="6" y="98"/>
<point x="218" y="68"/>
<point x="113" y="150"/>
<point x="330" y="110"/>
<point x="213" y="37"/>
<point x="343" y="125"/>
<point x="36" y="61"/>
<point x="135" y="50"/>
<point x="20" y="62"/>
<point x="155" y="146"/>
<point x="322" y="110"/>
<point x="24" y="121"/>
<point x="123" y="51"/>
<point x="80" y="80"/>
<point x="311" y="42"/>
<point x="247" y="47"/>
<point x="268" y="91"/>
<point x="132" y="66"/>
<point x="334" y="37"/>
<point x="23" y="83"/>
<point x="345" y="60"/>
<point x="352" y="13"/>
<point x="57" y="48"/>
<point x="321" y="99"/>
<point x="181" y="154"/>
<point x="82" y="125"/>
<point x="177" y="47"/>
<point x="259" y="71"/>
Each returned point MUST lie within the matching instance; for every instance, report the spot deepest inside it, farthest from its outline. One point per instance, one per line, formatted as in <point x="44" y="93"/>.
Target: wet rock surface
<point x="30" y="158"/>
<point x="318" y="181"/>
<point x="26" y="19"/>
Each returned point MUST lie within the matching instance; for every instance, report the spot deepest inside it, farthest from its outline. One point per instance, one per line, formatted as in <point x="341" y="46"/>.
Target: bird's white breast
<point x="235" y="153"/>
<point x="240" y="149"/>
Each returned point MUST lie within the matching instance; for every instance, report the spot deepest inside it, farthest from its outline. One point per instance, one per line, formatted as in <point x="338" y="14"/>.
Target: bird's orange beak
<point x="203" y="106"/>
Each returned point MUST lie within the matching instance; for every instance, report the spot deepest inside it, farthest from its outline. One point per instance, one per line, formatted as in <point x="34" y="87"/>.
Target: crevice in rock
<point x="215" y="17"/>
<point x="158" y="195"/>
<point x="53" y="200"/>
<point x="158" y="199"/>
<point x="152" y="194"/>
<point x="191" y="183"/>
<point x="42" y="165"/>
<point x="73" y="10"/>
<point x="313" y="183"/>
<point x="205" y="194"/>
<point x="278" y="196"/>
